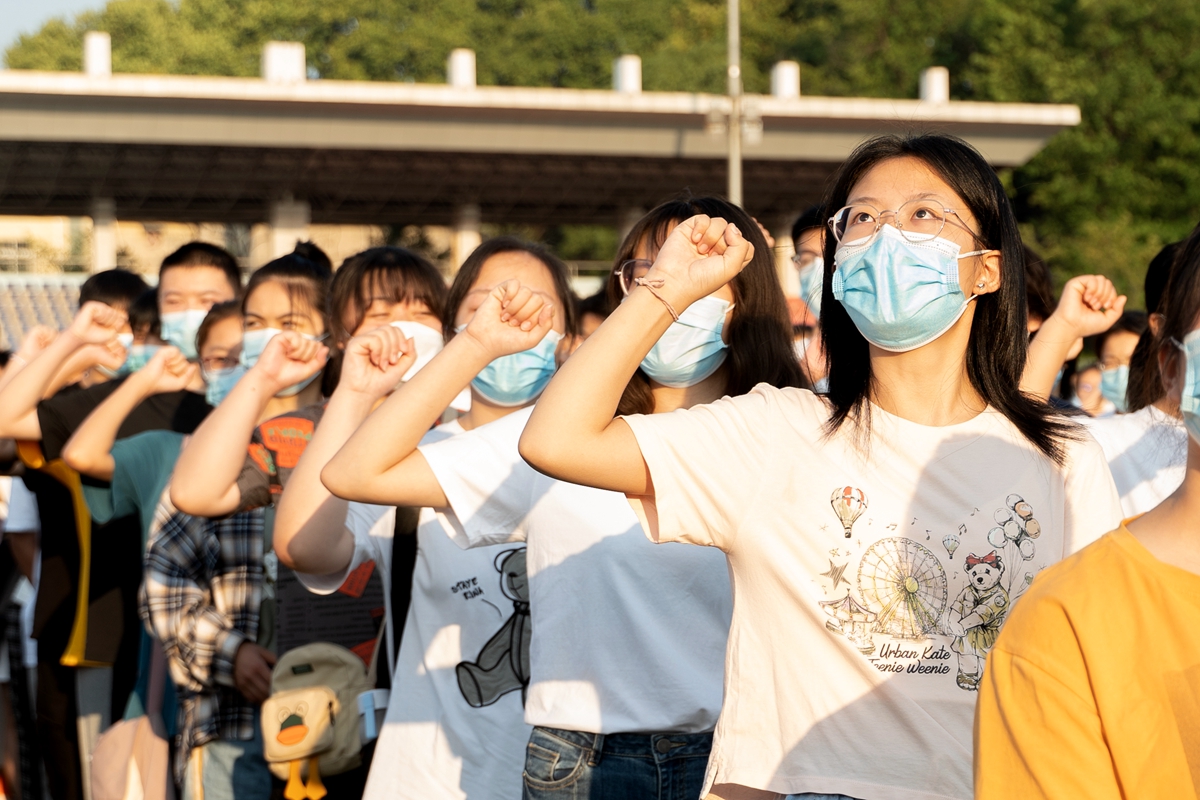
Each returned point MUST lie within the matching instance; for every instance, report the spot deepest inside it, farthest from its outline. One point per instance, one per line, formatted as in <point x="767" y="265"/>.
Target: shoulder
<point x="1064" y="591"/>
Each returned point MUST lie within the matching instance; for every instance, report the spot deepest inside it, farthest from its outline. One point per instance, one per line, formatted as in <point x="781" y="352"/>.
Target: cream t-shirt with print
<point x="870" y="579"/>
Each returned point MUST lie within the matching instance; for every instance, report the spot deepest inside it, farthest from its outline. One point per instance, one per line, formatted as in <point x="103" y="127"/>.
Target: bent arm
<point x="19" y="398"/>
<point x="1049" y="350"/>
<point x="310" y="523"/>
<point x="89" y="450"/>
<point x="380" y="462"/>
<point x="205" y="479"/>
<point x="572" y="434"/>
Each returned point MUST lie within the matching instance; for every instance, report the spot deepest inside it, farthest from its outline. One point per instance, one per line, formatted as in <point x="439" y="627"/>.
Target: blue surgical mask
<point x="900" y="294"/>
<point x="179" y="328"/>
<point x="1113" y="384"/>
<point x="1189" y="401"/>
<point x="221" y="382"/>
<point x="253" y="344"/>
<point x="139" y="356"/>
<point x="518" y="378"/>
<point x="812" y="279"/>
<point x="136" y="357"/>
<point x="692" y="348"/>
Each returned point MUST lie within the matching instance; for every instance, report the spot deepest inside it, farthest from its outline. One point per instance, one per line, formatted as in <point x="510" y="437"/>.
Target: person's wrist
<point x="473" y="351"/>
<point x="1057" y="330"/>
<point x="352" y="397"/>
<point x="71" y="339"/>
<point x="660" y="302"/>
<point x="260" y="380"/>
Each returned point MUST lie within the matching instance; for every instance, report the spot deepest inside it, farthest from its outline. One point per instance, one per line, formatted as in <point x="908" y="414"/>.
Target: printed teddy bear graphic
<point x="975" y="617"/>
<point x="502" y="666"/>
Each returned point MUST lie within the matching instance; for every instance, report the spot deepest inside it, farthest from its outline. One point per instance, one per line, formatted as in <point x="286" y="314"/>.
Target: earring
<point x="981" y="284"/>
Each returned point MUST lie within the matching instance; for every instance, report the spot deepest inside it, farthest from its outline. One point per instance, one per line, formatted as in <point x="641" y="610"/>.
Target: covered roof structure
<point x="224" y="149"/>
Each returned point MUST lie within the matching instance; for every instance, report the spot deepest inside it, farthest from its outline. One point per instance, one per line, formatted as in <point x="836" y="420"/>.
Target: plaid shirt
<point x="200" y="598"/>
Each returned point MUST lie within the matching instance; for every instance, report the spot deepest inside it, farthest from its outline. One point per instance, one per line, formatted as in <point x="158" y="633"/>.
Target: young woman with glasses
<point x="876" y="536"/>
<point x="625" y="661"/>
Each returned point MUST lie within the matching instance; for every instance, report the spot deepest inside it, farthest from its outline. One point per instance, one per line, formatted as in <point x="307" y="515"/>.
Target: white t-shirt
<point x="1147" y="453"/>
<point x="629" y="637"/>
<point x="857" y="636"/>
<point x="434" y="742"/>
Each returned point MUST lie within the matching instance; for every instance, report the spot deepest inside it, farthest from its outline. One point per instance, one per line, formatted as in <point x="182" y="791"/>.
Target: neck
<point x="667" y="398"/>
<point x="929" y="385"/>
<point x="1171" y="532"/>
<point x="482" y="412"/>
<point x="310" y="395"/>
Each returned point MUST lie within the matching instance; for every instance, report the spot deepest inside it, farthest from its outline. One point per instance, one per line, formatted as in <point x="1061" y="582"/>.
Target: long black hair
<point x="760" y="333"/>
<point x="1179" y="309"/>
<point x="999" y="338"/>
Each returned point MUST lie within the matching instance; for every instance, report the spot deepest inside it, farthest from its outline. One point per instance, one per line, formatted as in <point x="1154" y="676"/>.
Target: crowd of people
<point x="360" y="533"/>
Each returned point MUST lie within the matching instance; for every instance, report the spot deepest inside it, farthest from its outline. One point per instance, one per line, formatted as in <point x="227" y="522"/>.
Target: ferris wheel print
<point x="903" y="582"/>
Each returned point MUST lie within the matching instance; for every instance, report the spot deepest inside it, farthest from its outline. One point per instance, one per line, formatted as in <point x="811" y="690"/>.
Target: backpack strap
<point x="404" y="561"/>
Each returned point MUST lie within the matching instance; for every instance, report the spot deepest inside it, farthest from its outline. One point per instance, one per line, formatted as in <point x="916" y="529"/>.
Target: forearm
<point x="89" y="450"/>
<point x="310" y="523"/>
<point x="572" y="434"/>
<point x="379" y="463"/>
<point x="19" y="399"/>
<point x="1048" y="351"/>
<point x="205" y="480"/>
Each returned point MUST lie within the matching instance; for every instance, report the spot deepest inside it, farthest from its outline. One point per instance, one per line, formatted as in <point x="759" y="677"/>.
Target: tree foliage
<point x="1101" y="197"/>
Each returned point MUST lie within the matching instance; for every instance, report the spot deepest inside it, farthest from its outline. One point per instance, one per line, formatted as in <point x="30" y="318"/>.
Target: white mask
<point x="427" y="341"/>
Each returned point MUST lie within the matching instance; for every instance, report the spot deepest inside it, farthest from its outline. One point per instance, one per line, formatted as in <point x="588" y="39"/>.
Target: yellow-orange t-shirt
<point x="1093" y="688"/>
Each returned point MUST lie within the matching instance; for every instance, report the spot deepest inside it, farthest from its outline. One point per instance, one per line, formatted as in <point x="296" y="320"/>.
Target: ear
<point x="1169" y="372"/>
<point x="987" y="274"/>
<point x="1156" y="322"/>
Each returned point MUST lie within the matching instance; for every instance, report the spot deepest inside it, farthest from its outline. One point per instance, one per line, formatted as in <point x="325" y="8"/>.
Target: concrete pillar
<point x="104" y="234"/>
<point x="289" y="220"/>
<point x="97" y="54"/>
<point x="935" y="85"/>
<point x="284" y="63"/>
<point x="626" y="219"/>
<point x="460" y="68"/>
<point x="466" y="233"/>
<point x="627" y="74"/>
<point x="785" y="80"/>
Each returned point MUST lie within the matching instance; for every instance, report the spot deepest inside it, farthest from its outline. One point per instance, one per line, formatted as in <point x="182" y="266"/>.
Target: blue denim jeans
<point x="569" y="765"/>
<point x="228" y="770"/>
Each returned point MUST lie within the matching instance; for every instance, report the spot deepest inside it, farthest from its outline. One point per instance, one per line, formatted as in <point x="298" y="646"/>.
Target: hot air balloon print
<point x="848" y="503"/>
<point x="951" y="544"/>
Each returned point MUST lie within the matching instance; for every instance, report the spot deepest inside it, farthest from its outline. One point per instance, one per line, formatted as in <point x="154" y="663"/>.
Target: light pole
<point x="734" y="73"/>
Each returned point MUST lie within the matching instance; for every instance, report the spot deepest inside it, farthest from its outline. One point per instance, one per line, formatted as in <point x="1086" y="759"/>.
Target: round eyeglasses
<point x="630" y="270"/>
<point x="917" y="221"/>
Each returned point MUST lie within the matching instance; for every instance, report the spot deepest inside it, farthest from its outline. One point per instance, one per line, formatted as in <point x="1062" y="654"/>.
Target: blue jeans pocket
<point x="551" y="762"/>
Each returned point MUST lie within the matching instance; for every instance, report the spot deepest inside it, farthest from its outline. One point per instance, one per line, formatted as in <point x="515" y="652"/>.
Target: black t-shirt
<point x="112" y="631"/>
<point x="62" y="414"/>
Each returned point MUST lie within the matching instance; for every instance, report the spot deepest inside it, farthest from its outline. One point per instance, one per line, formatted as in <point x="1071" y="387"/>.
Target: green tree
<point x="1102" y="197"/>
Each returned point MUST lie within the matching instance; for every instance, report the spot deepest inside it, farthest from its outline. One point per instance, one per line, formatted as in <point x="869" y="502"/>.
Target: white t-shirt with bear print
<point x="870" y="578"/>
<point x="628" y="637"/>
<point x="455" y="725"/>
